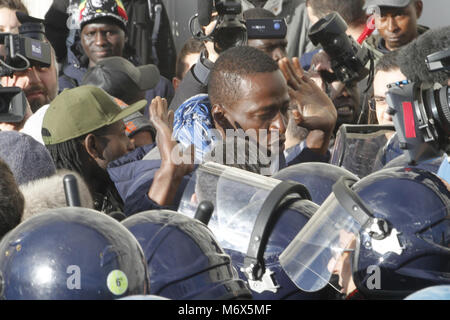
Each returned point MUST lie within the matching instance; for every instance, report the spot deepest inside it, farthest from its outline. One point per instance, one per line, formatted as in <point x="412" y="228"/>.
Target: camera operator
<point x="186" y="58"/>
<point x="297" y="20"/>
<point x="387" y="71"/>
<point x="8" y="19"/>
<point x="351" y="11"/>
<point x="195" y="80"/>
<point x="40" y="84"/>
<point x="423" y="132"/>
<point x="347" y="97"/>
<point x="339" y="69"/>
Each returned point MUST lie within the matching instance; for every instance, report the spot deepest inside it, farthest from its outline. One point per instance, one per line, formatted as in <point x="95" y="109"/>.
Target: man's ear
<point x="175" y="82"/>
<point x="220" y="120"/>
<point x="419" y="8"/>
<point x="93" y="147"/>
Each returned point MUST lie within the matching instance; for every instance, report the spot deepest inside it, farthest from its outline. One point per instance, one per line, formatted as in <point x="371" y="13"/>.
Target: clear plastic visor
<point x="360" y="153"/>
<point x="237" y="196"/>
<point x="313" y="256"/>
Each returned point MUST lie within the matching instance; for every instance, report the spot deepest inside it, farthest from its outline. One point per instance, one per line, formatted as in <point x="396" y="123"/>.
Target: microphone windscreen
<point x="411" y="58"/>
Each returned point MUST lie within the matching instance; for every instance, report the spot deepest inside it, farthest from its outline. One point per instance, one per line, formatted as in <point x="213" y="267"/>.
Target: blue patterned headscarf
<point x="193" y="125"/>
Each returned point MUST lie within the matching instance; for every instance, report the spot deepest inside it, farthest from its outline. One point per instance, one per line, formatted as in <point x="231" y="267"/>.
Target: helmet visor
<point x="237" y="196"/>
<point x="312" y="257"/>
<point x="360" y="148"/>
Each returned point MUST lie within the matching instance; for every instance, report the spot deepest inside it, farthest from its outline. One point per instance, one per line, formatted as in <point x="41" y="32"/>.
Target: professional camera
<point x="13" y="104"/>
<point x="266" y="28"/>
<point x="26" y="49"/>
<point x="18" y="53"/>
<point x="229" y="30"/>
<point x="421" y="112"/>
<point x="348" y="58"/>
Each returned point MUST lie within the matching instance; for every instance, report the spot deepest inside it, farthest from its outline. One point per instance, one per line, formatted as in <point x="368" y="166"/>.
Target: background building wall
<point x="436" y="14"/>
<point x="38" y="8"/>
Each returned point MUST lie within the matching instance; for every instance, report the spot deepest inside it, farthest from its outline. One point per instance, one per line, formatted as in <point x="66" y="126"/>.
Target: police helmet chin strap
<point x="384" y="237"/>
<point x="259" y="277"/>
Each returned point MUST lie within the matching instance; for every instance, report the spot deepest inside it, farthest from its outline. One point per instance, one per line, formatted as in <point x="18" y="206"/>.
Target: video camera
<point x="26" y="49"/>
<point x="421" y="112"/>
<point x="18" y="53"/>
<point x="348" y="58"/>
<point x="266" y="28"/>
<point x="229" y="30"/>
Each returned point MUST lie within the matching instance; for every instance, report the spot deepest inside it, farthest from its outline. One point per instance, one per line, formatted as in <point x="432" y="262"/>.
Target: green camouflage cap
<point x="79" y="111"/>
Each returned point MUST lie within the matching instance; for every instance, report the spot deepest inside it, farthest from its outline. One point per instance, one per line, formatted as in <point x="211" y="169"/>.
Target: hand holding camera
<point x="347" y="59"/>
<point x="20" y="52"/>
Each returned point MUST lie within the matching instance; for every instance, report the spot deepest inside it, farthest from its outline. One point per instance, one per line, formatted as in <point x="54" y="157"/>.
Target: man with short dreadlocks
<point x="84" y="130"/>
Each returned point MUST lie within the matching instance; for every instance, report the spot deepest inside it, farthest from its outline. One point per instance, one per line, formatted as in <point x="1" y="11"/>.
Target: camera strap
<point x="202" y="68"/>
<point x="156" y="14"/>
<point x="258" y="276"/>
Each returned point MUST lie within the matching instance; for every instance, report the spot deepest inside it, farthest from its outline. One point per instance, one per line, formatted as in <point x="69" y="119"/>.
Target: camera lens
<point x="348" y="58"/>
<point x="33" y="30"/>
<point x="229" y="37"/>
<point x="441" y="101"/>
<point x="436" y="102"/>
<point x="327" y="29"/>
<point x="444" y="101"/>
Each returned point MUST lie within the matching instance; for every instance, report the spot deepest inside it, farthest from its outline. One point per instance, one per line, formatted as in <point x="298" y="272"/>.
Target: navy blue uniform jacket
<point x="133" y="178"/>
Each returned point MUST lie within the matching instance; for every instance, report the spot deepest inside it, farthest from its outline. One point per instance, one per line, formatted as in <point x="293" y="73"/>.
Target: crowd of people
<point x="251" y="173"/>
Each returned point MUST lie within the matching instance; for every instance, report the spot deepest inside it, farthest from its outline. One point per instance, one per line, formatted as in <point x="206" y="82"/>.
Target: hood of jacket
<point x="74" y="68"/>
<point x="39" y="199"/>
<point x="125" y="170"/>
